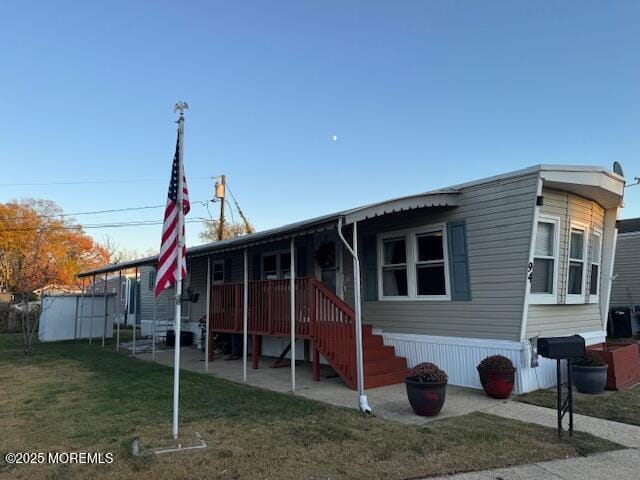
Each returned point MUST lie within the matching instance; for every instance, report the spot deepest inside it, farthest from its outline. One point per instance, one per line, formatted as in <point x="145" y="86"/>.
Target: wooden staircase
<point x="333" y="332"/>
<point x="321" y="316"/>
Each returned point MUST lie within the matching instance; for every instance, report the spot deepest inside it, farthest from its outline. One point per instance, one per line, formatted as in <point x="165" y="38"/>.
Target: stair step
<point x="379" y="353"/>
<point x="390" y="378"/>
<point x="387" y="365"/>
<point x="372" y="341"/>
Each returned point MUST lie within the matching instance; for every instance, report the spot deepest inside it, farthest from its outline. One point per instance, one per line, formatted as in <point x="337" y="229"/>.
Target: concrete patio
<point x="388" y="402"/>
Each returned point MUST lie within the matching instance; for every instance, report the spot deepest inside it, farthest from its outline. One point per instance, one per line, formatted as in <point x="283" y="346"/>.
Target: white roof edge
<point x="445" y="198"/>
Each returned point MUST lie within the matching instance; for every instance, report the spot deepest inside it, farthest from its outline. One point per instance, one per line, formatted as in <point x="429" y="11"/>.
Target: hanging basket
<point x="325" y="255"/>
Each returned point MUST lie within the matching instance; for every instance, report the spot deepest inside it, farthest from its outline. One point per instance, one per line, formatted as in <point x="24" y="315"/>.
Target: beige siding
<point x="626" y="270"/>
<point x="558" y="320"/>
<point x="562" y="318"/>
<point x="499" y="217"/>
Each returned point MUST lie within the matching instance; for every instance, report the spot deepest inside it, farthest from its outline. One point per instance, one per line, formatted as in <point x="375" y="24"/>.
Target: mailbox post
<point x="563" y="348"/>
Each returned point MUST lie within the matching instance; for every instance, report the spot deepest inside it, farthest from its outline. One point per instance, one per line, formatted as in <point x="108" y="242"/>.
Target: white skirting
<point x="459" y="357"/>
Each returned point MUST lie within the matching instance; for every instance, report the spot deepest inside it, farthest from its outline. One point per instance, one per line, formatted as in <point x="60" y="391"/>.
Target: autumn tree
<point x="39" y="246"/>
<point x="230" y="230"/>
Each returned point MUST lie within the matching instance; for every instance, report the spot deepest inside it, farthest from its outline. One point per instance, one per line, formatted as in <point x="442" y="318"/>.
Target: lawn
<point x="71" y="396"/>
<point x="621" y="406"/>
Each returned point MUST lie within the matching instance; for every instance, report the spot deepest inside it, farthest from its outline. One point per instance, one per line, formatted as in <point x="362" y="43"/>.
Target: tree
<point x="119" y="255"/>
<point x="230" y="230"/>
<point x="38" y="246"/>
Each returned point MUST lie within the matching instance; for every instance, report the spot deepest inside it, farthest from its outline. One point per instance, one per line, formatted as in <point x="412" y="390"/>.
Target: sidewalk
<point x="618" y="465"/>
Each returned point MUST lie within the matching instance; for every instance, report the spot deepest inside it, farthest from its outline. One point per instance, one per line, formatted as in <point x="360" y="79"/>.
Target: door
<point x="328" y="255"/>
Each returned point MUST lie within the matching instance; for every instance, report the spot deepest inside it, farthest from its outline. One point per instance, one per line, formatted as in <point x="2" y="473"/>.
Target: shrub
<point x="428" y="373"/>
<point x="496" y="363"/>
<point x="590" y="359"/>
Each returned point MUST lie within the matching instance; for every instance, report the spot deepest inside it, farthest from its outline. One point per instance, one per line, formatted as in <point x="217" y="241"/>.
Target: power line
<point x="97" y="212"/>
<point x="141" y="223"/>
<point x="93" y="182"/>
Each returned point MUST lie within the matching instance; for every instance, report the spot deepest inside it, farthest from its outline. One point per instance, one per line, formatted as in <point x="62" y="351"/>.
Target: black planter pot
<point x="589" y="379"/>
<point x="426" y="399"/>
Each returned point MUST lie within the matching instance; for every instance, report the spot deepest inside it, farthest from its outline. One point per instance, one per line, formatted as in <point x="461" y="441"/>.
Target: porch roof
<point x="438" y="198"/>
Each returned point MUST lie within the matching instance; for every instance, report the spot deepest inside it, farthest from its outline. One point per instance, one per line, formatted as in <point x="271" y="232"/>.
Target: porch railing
<point x="320" y="315"/>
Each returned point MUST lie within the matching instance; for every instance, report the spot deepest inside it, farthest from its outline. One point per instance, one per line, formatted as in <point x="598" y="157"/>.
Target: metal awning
<point x="439" y="198"/>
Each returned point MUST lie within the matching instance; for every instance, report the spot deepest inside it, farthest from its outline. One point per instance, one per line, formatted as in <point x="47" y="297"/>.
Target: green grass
<point x="72" y="396"/>
<point x="621" y="406"/>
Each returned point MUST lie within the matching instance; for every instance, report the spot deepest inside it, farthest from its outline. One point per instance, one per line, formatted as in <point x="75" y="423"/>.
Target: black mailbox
<point x="562" y="347"/>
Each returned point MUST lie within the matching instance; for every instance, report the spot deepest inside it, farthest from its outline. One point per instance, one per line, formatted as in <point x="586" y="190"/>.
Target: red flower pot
<point x="497" y="384"/>
<point x="426" y="399"/>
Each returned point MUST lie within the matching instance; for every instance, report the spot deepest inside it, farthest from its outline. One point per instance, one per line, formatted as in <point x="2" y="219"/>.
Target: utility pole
<point x="221" y="194"/>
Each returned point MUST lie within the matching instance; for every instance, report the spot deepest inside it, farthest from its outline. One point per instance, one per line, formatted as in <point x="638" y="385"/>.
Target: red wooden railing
<point x="320" y="316"/>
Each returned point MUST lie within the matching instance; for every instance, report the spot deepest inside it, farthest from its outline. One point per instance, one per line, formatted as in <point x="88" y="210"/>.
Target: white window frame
<point x="217" y="262"/>
<point x="411" y="245"/>
<point x="575" y="298"/>
<point x="595" y="298"/>
<point x="547" y="298"/>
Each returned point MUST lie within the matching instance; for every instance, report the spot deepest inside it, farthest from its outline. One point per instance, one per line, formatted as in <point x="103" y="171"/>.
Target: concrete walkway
<point x="618" y="465"/>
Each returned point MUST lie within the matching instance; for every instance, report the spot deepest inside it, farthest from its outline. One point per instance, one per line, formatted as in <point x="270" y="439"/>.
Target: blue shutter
<point x="458" y="260"/>
<point x="227" y="270"/>
<point x="369" y="248"/>
<point x="301" y="261"/>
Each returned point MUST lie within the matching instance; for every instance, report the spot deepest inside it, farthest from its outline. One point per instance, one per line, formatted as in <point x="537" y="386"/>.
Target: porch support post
<point x="293" y="314"/>
<point x="363" y="401"/>
<point x="93" y="297"/>
<point x="245" y="313"/>
<point x="118" y="318"/>
<point x="155" y="331"/>
<point x="106" y="309"/>
<point x="135" y="310"/>
<point x="206" y="328"/>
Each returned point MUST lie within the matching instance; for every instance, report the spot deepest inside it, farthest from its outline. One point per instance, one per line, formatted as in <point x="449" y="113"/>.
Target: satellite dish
<point x="617" y="168"/>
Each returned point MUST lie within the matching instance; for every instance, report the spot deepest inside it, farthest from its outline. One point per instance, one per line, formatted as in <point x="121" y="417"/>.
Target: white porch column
<point x="135" y="310"/>
<point x="154" y="327"/>
<point x="245" y="314"/>
<point x="206" y="328"/>
<point x="292" y="268"/>
<point x="119" y="300"/>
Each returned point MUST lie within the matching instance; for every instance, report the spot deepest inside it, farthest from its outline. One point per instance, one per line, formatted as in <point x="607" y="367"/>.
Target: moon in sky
<point x="334" y="137"/>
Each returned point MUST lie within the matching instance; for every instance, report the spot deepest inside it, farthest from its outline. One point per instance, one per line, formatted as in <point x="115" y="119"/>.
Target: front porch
<point x="322" y="319"/>
<point x="388" y="402"/>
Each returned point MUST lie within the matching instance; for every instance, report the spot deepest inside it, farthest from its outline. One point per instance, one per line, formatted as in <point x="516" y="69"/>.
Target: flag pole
<point x="180" y="106"/>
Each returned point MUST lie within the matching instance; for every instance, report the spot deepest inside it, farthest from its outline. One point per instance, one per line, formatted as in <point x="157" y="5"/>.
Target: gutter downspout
<point x="363" y="401"/>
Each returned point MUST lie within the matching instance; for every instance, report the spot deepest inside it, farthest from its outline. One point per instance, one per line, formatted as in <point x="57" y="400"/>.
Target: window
<point x="577" y="256"/>
<point x="594" y="278"/>
<point x="276" y="266"/>
<point x="413" y="265"/>
<point x="217" y="272"/>
<point x="430" y="276"/>
<point x="152" y="279"/>
<point x="545" y="261"/>
<point x="394" y="267"/>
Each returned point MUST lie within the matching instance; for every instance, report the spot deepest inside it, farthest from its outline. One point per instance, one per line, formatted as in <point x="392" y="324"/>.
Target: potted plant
<point x="497" y="375"/>
<point x="589" y="373"/>
<point x="426" y="389"/>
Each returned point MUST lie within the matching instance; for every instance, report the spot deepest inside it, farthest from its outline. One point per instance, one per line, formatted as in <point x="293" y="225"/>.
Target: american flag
<point x="166" y="270"/>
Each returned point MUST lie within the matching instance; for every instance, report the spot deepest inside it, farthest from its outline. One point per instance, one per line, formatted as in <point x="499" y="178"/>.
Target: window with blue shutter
<point x="458" y="261"/>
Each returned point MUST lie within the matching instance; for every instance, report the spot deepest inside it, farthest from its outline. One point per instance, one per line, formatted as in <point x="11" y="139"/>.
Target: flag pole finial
<point x="180" y="107"/>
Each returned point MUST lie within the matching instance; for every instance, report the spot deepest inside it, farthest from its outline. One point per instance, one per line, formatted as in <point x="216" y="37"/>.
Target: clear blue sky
<point x="421" y="94"/>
